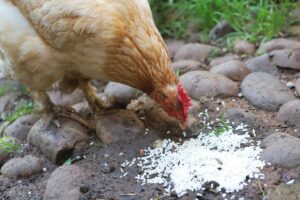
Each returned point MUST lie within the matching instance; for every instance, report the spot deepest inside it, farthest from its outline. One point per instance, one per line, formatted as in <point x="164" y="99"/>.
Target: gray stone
<point x="118" y="126"/>
<point x="83" y="108"/>
<point x="8" y="101"/>
<point x="281" y="149"/>
<point x="121" y="93"/>
<point x="294" y="31"/>
<point x="223" y="59"/>
<point x="290" y="85"/>
<point x="22" y="167"/>
<point x="239" y="116"/>
<point x="173" y="46"/>
<point x="278" y="44"/>
<point x="244" y="47"/>
<point x="221" y="29"/>
<point x="298" y="87"/>
<point x="195" y="51"/>
<point x="106" y="168"/>
<point x="265" y="91"/>
<point x="99" y="85"/>
<point x="20" y="128"/>
<point x="64" y="183"/>
<point x="261" y="64"/>
<point x="193" y="37"/>
<point x="202" y="83"/>
<point x="58" y="138"/>
<point x="285" y="192"/>
<point x="9" y="85"/>
<point x="289" y="113"/>
<point x="287" y="58"/>
<point x="67" y="100"/>
<point x="184" y="66"/>
<point x="235" y="70"/>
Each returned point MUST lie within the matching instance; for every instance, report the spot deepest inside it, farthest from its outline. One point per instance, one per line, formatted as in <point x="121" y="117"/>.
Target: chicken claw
<point x="45" y="105"/>
<point x="97" y="104"/>
<point x="72" y="114"/>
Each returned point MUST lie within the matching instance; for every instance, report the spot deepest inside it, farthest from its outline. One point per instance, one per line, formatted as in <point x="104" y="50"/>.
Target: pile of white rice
<point x="227" y="159"/>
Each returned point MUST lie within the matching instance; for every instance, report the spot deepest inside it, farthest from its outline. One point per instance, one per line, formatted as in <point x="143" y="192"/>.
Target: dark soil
<point x="112" y="185"/>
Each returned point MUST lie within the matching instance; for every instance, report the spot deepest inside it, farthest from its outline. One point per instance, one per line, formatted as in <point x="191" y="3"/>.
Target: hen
<point x="71" y="42"/>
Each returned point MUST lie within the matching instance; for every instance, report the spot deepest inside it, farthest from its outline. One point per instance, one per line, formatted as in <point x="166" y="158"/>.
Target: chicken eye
<point x="161" y="97"/>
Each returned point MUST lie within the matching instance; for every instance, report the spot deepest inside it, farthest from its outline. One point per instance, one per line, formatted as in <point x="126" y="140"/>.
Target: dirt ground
<point x="113" y="186"/>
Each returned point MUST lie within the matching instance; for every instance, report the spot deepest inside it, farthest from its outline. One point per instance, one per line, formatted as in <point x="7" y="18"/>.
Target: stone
<point x="8" y="101"/>
<point x="265" y="91"/>
<point x="202" y="83"/>
<point x="83" y="108"/>
<point x="20" y="128"/>
<point x="173" y="46"/>
<point x="294" y="30"/>
<point x="287" y="58"/>
<point x="289" y="113"/>
<point x="244" y="47"/>
<point x="282" y="150"/>
<point x="234" y="70"/>
<point x="298" y="87"/>
<point x="195" y="51"/>
<point x="121" y="93"/>
<point x="64" y="183"/>
<point x="223" y="59"/>
<point x="67" y="100"/>
<point x="221" y="29"/>
<point x="22" y="167"/>
<point x="99" y="85"/>
<point x="118" y="126"/>
<point x="261" y="64"/>
<point x="8" y="85"/>
<point x="184" y="66"/>
<point x="279" y="44"/>
<point x="239" y="116"/>
<point x="291" y="85"/>
<point x="194" y="37"/>
<point x="58" y="138"/>
<point x="106" y="168"/>
<point x="284" y="191"/>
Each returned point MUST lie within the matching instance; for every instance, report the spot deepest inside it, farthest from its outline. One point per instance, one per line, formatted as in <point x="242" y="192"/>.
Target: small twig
<point x="129" y="194"/>
<point x="261" y="189"/>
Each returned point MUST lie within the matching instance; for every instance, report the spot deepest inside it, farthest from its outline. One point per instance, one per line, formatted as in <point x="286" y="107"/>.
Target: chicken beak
<point x="182" y="126"/>
<point x="182" y="123"/>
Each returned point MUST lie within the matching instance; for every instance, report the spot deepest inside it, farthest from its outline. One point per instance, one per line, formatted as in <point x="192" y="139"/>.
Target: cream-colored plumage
<point x="71" y="42"/>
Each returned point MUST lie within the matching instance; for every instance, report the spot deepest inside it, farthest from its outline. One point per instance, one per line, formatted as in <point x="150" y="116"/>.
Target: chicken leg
<point x="44" y="104"/>
<point x="97" y="104"/>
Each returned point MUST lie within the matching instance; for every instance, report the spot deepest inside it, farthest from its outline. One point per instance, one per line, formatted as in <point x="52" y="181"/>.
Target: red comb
<point x="185" y="100"/>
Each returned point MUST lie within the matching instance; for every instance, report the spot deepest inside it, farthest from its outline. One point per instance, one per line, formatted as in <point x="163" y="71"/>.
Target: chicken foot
<point x="45" y="105"/>
<point x="97" y="104"/>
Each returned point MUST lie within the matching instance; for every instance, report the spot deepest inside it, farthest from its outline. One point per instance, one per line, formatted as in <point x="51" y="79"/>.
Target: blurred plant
<point x="254" y="20"/>
<point x="9" y="145"/>
<point x="10" y="87"/>
<point x="24" y="107"/>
